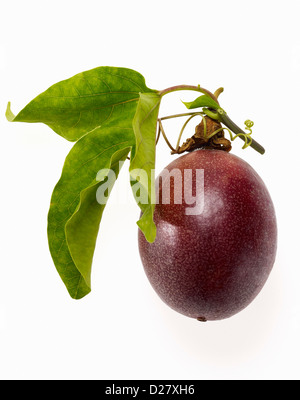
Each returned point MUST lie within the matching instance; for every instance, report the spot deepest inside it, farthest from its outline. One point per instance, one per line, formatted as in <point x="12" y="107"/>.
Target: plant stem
<point x="234" y="128"/>
<point x="188" y="87"/>
<point x="222" y="117"/>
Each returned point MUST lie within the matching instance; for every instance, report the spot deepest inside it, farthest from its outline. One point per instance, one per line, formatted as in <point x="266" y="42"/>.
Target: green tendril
<point x="247" y="136"/>
<point x="185" y="125"/>
<point x="248" y="139"/>
<point x="217" y="131"/>
<point x="204" y="127"/>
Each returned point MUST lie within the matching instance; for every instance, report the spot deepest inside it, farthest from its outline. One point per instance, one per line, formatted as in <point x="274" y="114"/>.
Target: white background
<point x="122" y="330"/>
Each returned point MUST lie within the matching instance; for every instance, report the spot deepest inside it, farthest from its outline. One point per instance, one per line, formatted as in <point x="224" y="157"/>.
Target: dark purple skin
<point x="211" y="266"/>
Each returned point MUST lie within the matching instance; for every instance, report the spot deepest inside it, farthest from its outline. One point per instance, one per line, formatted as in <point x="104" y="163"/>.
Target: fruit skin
<point x="211" y="266"/>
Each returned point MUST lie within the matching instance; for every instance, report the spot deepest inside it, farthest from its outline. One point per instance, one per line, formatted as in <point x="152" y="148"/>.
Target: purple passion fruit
<point x="212" y="265"/>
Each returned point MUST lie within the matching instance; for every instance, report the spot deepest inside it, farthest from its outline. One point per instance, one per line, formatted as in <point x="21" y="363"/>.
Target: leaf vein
<point x="83" y="110"/>
<point x="124" y="78"/>
<point x="88" y="95"/>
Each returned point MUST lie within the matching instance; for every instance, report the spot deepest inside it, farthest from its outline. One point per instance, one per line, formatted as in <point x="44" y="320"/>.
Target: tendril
<point x="185" y="125"/>
<point x="162" y="131"/>
<point x="246" y="136"/>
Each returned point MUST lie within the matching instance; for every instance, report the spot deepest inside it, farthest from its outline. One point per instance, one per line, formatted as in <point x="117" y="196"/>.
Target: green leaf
<point x="142" y="163"/>
<point x="75" y="214"/>
<point x="202" y="101"/>
<point x="78" y="105"/>
<point x="108" y="111"/>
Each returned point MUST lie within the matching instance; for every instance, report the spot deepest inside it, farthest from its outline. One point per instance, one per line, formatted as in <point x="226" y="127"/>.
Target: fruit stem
<point x="189" y="87"/>
<point x="223" y="117"/>
<point x="220" y="115"/>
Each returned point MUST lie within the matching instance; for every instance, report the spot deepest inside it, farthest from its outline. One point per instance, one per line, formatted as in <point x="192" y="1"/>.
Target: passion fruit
<point x="211" y="264"/>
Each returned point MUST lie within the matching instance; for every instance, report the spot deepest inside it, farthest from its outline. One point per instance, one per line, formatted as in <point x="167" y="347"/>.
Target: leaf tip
<point x="186" y="103"/>
<point x="80" y="292"/>
<point x="80" y="296"/>
<point x="9" y="114"/>
<point x="148" y="229"/>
